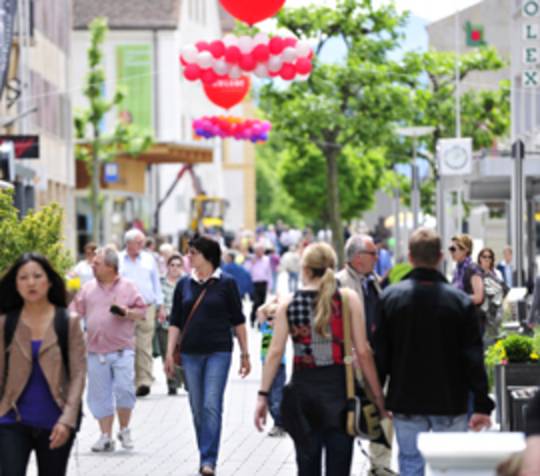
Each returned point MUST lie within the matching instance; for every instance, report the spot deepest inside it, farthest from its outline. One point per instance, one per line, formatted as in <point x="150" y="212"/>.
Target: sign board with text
<point x="26" y="147"/>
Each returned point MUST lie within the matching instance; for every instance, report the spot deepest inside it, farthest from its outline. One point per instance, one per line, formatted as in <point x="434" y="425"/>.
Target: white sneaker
<point x="125" y="438"/>
<point x="104" y="444"/>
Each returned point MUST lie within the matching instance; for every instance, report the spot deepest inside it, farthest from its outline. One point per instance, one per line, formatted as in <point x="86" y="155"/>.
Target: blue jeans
<point x="293" y="281"/>
<point x="206" y="377"/>
<point x="276" y="395"/>
<point x="411" y="462"/>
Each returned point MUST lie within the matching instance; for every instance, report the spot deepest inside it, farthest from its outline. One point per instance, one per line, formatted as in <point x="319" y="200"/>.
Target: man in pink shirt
<point x="260" y="269"/>
<point x="110" y="305"/>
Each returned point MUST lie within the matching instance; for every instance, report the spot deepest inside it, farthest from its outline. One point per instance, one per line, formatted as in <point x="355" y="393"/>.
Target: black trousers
<point x="17" y="442"/>
<point x="259" y="297"/>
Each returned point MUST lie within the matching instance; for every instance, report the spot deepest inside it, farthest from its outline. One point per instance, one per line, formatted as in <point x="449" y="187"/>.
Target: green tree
<point x="39" y="231"/>
<point x="94" y="147"/>
<point x="331" y="127"/>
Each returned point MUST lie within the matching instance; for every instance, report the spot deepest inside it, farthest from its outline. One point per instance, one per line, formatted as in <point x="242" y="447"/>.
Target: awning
<point x="173" y="152"/>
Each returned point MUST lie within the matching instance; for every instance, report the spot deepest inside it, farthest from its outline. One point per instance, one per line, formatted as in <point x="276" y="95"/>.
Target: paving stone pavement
<point x="164" y="437"/>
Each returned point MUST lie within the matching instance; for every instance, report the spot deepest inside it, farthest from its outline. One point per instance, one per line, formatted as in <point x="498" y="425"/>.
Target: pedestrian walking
<point x="140" y="267"/>
<point x="175" y="266"/>
<point x="274" y="266"/>
<point x="314" y="404"/>
<point x="290" y="263"/>
<point x="494" y="291"/>
<point x="505" y="266"/>
<point x="42" y="367"/>
<point x="207" y="310"/>
<point x="260" y="270"/>
<point x="428" y="343"/>
<point x="359" y="275"/>
<point x="239" y="274"/>
<point x="110" y="305"/>
<point x="531" y="458"/>
<point x="265" y="317"/>
<point x="83" y="269"/>
<point x="468" y="275"/>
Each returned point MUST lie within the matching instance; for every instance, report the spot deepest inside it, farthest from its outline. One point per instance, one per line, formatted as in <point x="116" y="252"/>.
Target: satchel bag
<point x="178" y="348"/>
<point x="363" y="417"/>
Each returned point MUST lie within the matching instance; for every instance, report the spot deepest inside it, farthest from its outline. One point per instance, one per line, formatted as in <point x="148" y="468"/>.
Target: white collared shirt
<point x="216" y="275"/>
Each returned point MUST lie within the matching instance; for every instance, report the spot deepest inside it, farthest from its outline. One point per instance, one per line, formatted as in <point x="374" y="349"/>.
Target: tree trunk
<point x="334" y="207"/>
<point x="95" y="179"/>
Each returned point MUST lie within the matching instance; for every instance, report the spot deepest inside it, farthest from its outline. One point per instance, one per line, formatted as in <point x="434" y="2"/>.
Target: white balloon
<point x="302" y="77"/>
<point x="261" y="39"/>
<point x="221" y="67"/>
<point x="289" y="54"/>
<point x="230" y="40"/>
<point x="205" y="59"/>
<point x="303" y="49"/>
<point x="190" y="53"/>
<point x="275" y="63"/>
<point x="235" y="72"/>
<point x="245" y="43"/>
<point x="261" y="71"/>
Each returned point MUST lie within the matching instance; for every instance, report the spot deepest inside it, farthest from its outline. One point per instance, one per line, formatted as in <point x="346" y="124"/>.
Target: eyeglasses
<point x="175" y="265"/>
<point x="365" y="252"/>
<point x="486" y="256"/>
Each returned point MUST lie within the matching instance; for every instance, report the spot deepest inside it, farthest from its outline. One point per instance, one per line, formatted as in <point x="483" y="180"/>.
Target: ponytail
<point x="323" y="307"/>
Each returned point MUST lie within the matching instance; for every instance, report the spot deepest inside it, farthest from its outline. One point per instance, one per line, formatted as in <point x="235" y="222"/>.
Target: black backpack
<point x="61" y="327"/>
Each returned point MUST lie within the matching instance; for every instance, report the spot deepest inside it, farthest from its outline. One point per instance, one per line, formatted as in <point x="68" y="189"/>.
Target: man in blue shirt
<point x="140" y="267"/>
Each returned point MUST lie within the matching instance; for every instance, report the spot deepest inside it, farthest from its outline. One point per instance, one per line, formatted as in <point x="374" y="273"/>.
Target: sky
<point x="429" y="10"/>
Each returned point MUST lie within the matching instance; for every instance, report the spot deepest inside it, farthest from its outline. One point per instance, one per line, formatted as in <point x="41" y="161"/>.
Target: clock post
<point x="518" y="154"/>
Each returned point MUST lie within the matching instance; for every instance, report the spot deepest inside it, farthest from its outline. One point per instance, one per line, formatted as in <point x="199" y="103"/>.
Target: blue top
<point x="384" y="262"/>
<point x="241" y="276"/>
<point x="145" y="274"/>
<point x="36" y="405"/>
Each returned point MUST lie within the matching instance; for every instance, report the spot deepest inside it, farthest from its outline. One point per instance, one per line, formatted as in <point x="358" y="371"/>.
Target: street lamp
<point x="415" y="132"/>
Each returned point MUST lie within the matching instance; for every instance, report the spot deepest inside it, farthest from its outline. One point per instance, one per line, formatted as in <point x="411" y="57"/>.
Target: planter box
<point x="507" y="378"/>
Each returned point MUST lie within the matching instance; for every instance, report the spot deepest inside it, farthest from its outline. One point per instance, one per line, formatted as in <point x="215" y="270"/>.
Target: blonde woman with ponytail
<point x="313" y="407"/>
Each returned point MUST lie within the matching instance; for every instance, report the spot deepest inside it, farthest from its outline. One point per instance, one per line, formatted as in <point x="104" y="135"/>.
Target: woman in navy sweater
<point x="206" y="310"/>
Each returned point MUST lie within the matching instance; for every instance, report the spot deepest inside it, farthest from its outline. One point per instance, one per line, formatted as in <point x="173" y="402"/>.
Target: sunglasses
<point x="453" y="248"/>
<point x="486" y="256"/>
<point x="372" y="253"/>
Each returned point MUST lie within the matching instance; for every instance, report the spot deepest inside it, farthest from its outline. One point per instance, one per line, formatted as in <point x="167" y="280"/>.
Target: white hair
<point x="110" y="256"/>
<point x="355" y="244"/>
<point x="166" y="248"/>
<point x="133" y="234"/>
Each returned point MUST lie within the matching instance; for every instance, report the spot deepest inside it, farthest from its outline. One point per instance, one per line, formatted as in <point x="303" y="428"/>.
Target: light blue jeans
<point x="206" y="377"/>
<point x="407" y="427"/>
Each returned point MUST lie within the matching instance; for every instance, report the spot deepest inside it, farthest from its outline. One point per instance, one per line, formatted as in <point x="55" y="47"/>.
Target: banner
<point x="7" y="17"/>
<point x="26" y="147"/>
<point x="134" y="74"/>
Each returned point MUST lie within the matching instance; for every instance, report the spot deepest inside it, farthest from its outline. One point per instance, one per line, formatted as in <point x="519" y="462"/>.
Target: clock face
<point x="455" y="157"/>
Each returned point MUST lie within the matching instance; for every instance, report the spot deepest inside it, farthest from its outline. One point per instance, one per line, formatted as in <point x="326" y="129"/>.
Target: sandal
<point x="207" y="470"/>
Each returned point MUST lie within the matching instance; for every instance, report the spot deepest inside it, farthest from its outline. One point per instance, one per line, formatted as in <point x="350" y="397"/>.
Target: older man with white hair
<point x="141" y="268"/>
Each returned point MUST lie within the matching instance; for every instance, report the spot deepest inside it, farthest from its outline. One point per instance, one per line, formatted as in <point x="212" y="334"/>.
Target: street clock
<point x="455" y="156"/>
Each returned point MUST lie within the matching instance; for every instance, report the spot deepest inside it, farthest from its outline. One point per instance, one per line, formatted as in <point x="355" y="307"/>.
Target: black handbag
<point x="363" y="417"/>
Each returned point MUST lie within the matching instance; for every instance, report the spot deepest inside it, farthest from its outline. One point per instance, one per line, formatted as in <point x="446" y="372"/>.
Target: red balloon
<point x="228" y="92"/>
<point x="290" y="42"/>
<point x="202" y="46"/>
<point x="303" y="66"/>
<point x="208" y="76"/>
<point x="192" y="72"/>
<point x="247" y="63"/>
<point x="217" y="48"/>
<point x="288" y="72"/>
<point x="261" y="53"/>
<point x="233" y="54"/>
<point x="277" y="45"/>
<point x="251" y="11"/>
<point x="183" y="61"/>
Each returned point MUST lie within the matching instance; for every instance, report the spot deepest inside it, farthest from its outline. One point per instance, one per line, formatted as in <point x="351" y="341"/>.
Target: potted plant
<point x="512" y="362"/>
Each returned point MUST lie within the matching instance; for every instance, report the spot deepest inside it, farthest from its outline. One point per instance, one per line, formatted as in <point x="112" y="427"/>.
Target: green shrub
<point x="39" y="231"/>
<point x="518" y="348"/>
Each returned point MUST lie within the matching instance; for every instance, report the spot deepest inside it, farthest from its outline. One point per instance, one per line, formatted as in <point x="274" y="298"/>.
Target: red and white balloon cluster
<point x="238" y="128"/>
<point x="233" y="56"/>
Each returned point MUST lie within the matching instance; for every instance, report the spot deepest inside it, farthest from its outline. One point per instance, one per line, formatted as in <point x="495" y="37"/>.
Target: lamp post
<point x="415" y="132"/>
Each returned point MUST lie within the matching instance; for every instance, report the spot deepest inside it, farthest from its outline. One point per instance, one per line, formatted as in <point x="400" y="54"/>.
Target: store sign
<point x="7" y="17"/>
<point x="26" y="147"/>
<point x="111" y="172"/>
<point x="530" y="75"/>
<point x="475" y="35"/>
<point x="455" y="156"/>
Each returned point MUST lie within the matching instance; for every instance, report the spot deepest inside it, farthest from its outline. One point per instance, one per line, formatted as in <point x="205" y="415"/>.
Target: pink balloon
<point x="266" y="126"/>
<point x="276" y="45"/>
<point x="303" y="66"/>
<point x="288" y="72"/>
<point x="247" y="63"/>
<point x="261" y="53"/>
<point x="208" y="76"/>
<point x="233" y="54"/>
<point x="202" y="46"/>
<point x="290" y="42"/>
<point x="217" y="48"/>
<point x="192" y="72"/>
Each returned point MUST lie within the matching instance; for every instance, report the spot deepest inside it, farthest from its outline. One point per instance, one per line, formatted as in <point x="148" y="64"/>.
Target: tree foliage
<point x="94" y="147"/>
<point x="39" y="231"/>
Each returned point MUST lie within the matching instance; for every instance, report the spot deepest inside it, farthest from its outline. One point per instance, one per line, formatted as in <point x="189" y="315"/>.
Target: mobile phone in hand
<point x="114" y="309"/>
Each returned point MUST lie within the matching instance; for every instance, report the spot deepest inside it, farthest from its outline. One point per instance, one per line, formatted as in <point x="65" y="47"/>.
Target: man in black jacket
<point x="428" y="343"/>
<point x="531" y="458"/>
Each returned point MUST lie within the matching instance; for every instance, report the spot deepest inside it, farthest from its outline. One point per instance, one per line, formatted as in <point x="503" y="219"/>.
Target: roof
<point x="128" y="14"/>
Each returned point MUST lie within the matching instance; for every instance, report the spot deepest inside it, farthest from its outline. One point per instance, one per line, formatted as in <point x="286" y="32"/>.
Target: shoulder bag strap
<point x="191" y="314"/>
<point x="347" y="344"/>
<point x="10" y="324"/>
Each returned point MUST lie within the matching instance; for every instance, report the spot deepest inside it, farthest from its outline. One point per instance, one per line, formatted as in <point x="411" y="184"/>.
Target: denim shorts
<point x="111" y="382"/>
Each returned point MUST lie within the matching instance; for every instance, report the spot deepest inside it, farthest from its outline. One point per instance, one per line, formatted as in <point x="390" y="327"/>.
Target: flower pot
<point x="507" y="378"/>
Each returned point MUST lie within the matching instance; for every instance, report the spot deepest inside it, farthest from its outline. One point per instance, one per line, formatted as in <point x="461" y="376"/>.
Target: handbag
<point x="178" y="348"/>
<point x="363" y="417"/>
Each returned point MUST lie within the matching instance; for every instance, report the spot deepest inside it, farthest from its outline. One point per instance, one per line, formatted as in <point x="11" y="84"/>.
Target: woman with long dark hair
<point x="42" y="369"/>
<point x="314" y="407"/>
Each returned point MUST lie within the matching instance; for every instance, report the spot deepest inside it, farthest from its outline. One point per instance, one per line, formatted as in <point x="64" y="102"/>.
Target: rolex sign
<point x="455" y="156"/>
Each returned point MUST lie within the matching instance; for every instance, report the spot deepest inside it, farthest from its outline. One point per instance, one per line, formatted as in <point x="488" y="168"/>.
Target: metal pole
<point x="457" y="72"/>
<point x="518" y="152"/>
<point x="415" y="194"/>
<point x="397" y="225"/>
